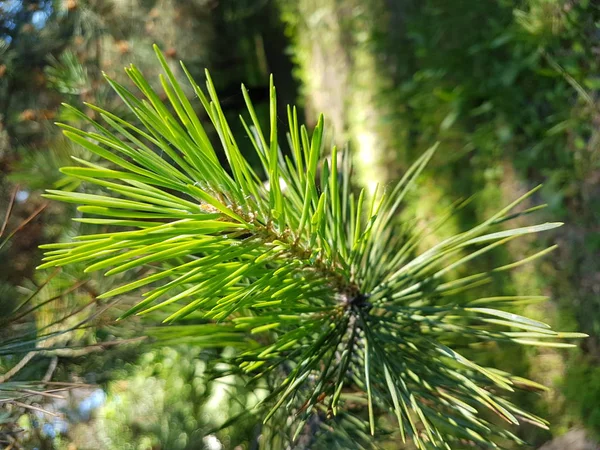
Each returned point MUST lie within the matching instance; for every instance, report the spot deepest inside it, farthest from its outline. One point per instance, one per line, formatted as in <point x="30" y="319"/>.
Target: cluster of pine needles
<point x="320" y="287"/>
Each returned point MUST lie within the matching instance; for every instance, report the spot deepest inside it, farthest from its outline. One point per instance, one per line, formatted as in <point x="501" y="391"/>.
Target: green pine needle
<point x="315" y="286"/>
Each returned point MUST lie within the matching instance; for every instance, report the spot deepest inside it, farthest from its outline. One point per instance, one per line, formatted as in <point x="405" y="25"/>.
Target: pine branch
<point x="319" y="287"/>
<point x="17" y="367"/>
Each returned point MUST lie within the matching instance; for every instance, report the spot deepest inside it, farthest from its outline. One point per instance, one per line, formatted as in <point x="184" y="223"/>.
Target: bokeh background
<point x="510" y="89"/>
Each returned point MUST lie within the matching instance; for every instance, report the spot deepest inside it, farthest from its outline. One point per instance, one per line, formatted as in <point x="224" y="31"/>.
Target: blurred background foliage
<point x="510" y="88"/>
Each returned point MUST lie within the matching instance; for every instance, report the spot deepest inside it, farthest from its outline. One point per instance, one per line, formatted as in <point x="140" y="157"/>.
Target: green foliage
<point x="583" y="386"/>
<point x="52" y="315"/>
<point x="19" y="337"/>
<point x="67" y="75"/>
<point x="520" y="87"/>
<point x="509" y="89"/>
<point x="184" y="406"/>
<point x="317" y="286"/>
